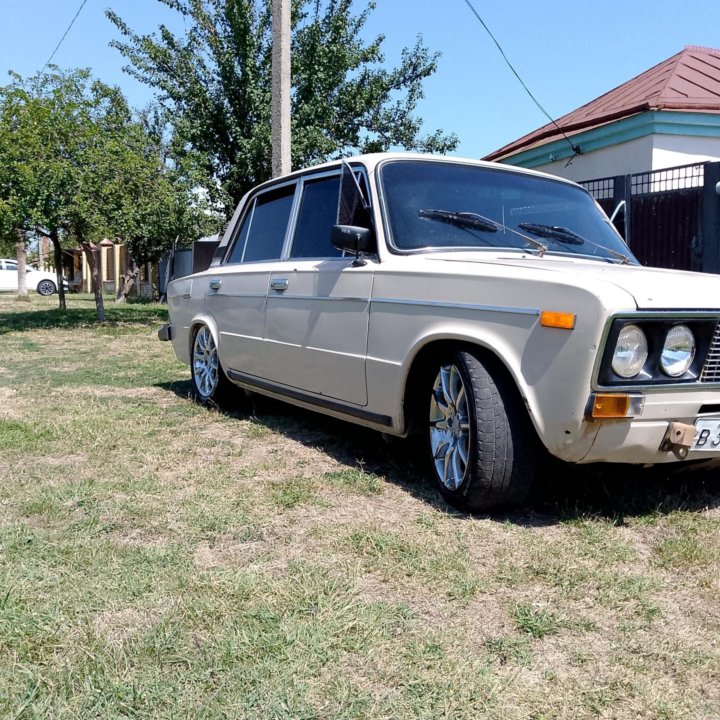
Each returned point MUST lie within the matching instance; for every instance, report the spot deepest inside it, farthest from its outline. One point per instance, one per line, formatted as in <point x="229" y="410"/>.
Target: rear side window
<point x="263" y="230"/>
<point x="317" y="215"/>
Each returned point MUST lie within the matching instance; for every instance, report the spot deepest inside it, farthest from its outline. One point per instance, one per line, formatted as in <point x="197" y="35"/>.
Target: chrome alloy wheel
<point x="205" y="362"/>
<point x="449" y="427"/>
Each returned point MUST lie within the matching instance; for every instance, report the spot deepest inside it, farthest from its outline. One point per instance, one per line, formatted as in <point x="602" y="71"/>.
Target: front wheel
<point x="46" y="287"/>
<point x="209" y="383"/>
<point x="482" y="445"/>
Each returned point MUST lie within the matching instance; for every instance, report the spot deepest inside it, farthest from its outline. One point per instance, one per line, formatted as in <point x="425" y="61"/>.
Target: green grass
<point x="536" y="622"/>
<point x="162" y="560"/>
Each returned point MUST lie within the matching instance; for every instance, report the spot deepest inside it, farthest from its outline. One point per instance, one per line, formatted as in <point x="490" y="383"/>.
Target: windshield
<point x="441" y="205"/>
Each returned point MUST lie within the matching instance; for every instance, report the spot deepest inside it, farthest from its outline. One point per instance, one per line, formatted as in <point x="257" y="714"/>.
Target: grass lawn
<point x="162" y="560"/>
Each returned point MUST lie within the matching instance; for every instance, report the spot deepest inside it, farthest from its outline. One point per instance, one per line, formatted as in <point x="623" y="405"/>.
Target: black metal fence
<point x="670" y="218"/>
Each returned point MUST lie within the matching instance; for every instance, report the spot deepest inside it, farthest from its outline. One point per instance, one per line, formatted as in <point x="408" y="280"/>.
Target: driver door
<point x="316" y="323"/>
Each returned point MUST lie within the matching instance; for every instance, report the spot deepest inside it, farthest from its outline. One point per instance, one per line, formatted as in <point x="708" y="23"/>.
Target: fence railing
<point x="688" y="214"/>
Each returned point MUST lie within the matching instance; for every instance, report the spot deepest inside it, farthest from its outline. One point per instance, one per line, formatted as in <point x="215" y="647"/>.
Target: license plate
<point x="707" y="435"/>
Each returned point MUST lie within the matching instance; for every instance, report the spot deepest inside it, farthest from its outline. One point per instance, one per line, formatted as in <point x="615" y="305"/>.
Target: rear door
<point x="237" y="290"/>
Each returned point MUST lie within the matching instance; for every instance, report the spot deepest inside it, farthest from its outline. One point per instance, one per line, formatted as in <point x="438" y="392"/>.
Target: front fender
<point x="551" y="369"/>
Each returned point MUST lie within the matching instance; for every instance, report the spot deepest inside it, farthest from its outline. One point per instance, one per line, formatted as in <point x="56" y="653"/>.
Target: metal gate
<point x="665" y="216"/>
<point x="669" y="217"/>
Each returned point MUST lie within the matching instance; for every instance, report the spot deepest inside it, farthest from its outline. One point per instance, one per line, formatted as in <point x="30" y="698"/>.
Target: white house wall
<point x="646" y="141"/>
<point x="628" y="157"/>
<point x="673" y="150"/>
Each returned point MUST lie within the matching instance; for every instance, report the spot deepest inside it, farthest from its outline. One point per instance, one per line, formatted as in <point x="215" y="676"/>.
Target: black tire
<point x="46" y="288"/>
<point x="210" y="385"/>
<point x="482" y="445"/>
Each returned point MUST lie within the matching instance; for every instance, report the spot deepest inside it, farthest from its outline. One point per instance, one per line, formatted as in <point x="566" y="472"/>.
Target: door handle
<point x="215" y="284"/>
<point x="279" y="284"/>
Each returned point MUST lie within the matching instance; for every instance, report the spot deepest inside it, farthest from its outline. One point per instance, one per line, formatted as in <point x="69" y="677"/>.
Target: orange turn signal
<point x="610" y="406"/>
<point x="563" y="320"/>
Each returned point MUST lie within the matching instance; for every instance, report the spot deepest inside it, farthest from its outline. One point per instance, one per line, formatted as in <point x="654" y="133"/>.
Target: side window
<point x="9" y="265"/>
<point x="318" y="210"/>
<point x="239" y="246"/>
<point x="263" y="231"/>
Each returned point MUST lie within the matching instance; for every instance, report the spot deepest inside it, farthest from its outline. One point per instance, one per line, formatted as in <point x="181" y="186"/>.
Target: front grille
<point x="711" y="369"/>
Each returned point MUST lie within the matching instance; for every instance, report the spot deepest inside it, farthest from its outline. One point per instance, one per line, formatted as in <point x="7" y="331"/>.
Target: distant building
<point x="665" y="117"/>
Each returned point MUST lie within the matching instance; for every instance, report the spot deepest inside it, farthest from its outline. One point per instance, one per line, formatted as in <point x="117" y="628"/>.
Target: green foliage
<point x="215" y="84"/>
<point x="75" y="161"/>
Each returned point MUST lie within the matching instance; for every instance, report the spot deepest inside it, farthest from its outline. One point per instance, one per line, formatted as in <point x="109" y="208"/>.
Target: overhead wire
<point x="69" y="27"/>
<point x="575" y="148"/>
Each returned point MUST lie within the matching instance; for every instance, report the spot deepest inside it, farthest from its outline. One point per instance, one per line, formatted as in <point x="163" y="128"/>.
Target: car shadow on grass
<point x="565" y="492"/>
<point x="561" y="492"/>
<point x="398" y="461"/>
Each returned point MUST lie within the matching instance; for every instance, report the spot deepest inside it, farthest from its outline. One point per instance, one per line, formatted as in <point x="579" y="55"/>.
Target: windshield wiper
<point x="568" y="237"/>
<point x="463" y="219"/>
<point x="480" y="222"/>
<point x="555" y="232"/>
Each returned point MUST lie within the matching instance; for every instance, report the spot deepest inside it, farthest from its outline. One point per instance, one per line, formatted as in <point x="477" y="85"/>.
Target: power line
<point x="576" y="149"/>
<point x="57" y="47"/>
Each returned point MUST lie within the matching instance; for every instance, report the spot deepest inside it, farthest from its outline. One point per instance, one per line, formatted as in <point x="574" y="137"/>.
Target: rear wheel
<point x="482" y="445"/>
<point x="209" y="383"/>
<point x="46" y="287"/>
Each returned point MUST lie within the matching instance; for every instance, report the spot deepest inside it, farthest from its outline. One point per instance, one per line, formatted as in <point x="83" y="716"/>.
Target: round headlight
<point x="678" y="351"/>
<point x="631" y="352"/>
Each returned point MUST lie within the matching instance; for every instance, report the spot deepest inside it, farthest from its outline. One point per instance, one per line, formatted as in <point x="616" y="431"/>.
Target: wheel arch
<point x="195" y="323"/>
<point x="430" y="353"/>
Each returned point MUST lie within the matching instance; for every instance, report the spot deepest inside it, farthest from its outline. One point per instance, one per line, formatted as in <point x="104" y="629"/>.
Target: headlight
<point x="631" y="351"/>
<point x="678" y="351"/>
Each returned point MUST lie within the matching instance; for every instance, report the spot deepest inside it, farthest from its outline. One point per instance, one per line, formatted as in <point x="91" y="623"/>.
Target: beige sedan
<point x="492" y="310"/>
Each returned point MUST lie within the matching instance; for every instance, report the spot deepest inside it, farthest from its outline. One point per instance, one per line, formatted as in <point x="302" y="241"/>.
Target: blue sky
<point x="568" y="52"/>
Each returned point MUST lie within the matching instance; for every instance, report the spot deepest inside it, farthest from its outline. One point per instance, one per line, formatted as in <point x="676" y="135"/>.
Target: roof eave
<point x="553" y="133"/>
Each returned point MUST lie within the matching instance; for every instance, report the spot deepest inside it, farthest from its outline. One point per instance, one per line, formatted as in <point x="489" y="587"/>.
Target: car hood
<point x="651" y="288"/>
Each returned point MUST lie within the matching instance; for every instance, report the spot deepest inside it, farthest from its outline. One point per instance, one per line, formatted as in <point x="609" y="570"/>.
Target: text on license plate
<point x="707" y="435"/>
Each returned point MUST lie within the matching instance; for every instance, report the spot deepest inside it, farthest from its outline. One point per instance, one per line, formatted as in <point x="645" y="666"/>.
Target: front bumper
<point x="643" y="439"/>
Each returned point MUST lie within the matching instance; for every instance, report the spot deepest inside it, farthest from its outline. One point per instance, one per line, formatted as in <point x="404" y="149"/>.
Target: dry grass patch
<point x="117" y="626"/>
<point x="159" y="559"/>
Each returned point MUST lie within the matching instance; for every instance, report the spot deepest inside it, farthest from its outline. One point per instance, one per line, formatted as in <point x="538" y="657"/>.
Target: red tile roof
<point x="689" y="80"/>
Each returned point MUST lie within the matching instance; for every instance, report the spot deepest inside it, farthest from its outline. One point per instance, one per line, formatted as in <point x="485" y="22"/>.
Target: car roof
<point x="372" y="160"/>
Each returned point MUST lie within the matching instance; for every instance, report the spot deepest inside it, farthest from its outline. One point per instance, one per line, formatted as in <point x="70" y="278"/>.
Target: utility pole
<point x="280" y="87"/>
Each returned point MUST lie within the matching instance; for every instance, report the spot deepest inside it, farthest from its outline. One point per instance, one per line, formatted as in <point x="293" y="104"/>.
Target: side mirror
<point x="353" y="239"/>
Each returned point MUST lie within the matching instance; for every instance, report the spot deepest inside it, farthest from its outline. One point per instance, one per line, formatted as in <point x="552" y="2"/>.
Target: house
<point x="112" y="259"/>
<point x="649" y="152"/>
<point x="665" y="117"/>
<point x="181" y="262"/>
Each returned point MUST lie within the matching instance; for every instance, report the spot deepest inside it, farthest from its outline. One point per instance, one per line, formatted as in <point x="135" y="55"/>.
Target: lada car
<point x="493" y="311"/>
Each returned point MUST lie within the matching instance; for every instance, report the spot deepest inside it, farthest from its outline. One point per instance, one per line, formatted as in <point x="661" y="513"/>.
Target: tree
<point x="43" y="128"/>
<point x="74" y="160"/>
<point x="160" y="203"/>
<point x="215" y="82"/>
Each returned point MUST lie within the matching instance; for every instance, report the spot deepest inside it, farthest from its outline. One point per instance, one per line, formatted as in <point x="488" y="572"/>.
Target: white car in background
<point x="45" y="283"/>
<point x="495" y="311"/>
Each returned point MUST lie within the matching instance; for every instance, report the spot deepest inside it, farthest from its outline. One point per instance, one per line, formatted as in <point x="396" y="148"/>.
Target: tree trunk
<point x="22" y="265"/>
<point x="128" y="279"/>
<point x="58" y="268"/>
<point x="91" y="251"/>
